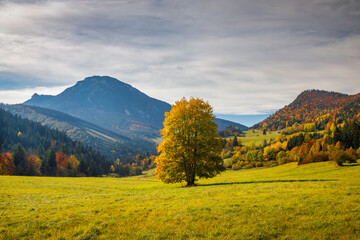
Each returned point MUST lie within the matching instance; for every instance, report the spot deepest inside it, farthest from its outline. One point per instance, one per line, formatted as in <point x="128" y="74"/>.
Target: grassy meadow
<point x="313" y="201"/>
<point x="256" y="137"/>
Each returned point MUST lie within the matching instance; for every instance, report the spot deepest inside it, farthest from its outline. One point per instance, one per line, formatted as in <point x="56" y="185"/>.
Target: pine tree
<point x="49" y="165"/>
<point x="235" y="142"/>
<point x="19" y="159"/>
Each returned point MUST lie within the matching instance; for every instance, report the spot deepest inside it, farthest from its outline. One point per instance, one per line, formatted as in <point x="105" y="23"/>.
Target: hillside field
<point x="256" y="136"/>
<point x="313" y="201"/>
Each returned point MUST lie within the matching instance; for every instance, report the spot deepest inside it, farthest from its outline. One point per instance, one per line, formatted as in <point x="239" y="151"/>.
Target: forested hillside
<point x="28" y="148"/>
<point x="315" y="106"/>
<point x="111" y="144"/>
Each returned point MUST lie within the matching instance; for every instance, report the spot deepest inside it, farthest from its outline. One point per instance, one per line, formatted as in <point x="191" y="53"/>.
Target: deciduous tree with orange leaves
<point x="191" y="147"/>
<point x="7" y="166"/>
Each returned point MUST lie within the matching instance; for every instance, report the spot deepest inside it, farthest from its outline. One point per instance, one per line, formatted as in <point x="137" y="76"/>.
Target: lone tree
<point x="191" y="147"/>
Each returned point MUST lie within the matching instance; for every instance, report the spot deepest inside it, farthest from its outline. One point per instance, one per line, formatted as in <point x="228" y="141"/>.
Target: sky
<point x="245" y="56"/>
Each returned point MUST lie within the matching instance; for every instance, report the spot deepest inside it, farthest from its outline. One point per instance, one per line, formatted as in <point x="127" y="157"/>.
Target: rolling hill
<point x="114" y="105"/>
<point x="315" y="106"/>
<point x="109" y="143"/>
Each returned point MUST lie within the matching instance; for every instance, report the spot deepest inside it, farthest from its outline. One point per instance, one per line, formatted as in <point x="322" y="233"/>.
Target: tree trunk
<point x="191" y="180"/>
<point x="191" y="183"/>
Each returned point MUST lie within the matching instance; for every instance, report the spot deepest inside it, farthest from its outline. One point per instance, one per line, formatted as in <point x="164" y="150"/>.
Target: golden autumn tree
<point x="73" y="163"/>
<point x="7" y="166"/>
<point x="191" y="147"/>
<point x="33" y="165"/>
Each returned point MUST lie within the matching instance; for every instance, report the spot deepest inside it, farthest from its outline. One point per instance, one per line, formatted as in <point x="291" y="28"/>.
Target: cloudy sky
<point x="243" y="56"/>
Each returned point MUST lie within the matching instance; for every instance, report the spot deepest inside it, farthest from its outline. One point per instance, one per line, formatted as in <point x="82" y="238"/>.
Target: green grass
<point x="314" y="201"/>
<point x="256" y="137"/>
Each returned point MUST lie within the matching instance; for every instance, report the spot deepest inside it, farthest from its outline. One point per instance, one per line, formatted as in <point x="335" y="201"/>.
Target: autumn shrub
<point x="316" y="157"/>
<point x="341" y="157"/>
<point x="236" y="167"/>
<point x="228" y="164"/>
<point x="248" y="166"/>
<point x="281" y="158"/>
<point x="271" y="163"/>
<point x="353" y="155"/>
<point x="134" y="171"/>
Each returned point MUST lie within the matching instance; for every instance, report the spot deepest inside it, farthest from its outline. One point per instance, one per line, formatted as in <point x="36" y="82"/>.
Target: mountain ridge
<point x="113" y="105"/>
<point x="108" y="102"/>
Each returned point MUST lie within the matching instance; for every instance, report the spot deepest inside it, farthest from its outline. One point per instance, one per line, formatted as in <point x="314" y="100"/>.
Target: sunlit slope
<point x="314" y="106"/>
<point x="314" y="201"/>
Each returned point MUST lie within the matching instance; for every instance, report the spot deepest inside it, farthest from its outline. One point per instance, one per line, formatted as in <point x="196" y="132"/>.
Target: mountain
<point x="112" y="104"/>
<point x="109" y="103"/>
<point x="247" y="120"/>
<point x="109" y="143"/>
<point x="222" y="124"/>
<point x="315" y="106"/>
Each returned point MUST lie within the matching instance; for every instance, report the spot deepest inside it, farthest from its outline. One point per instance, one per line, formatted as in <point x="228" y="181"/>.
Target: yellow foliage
<point x="33" y="163"/>
<point x="191" y="147"/>
<point x="73" y="162"/>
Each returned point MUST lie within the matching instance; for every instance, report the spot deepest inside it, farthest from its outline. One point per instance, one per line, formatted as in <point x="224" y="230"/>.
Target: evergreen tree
<point x="19" y="159"/>
<point x="49" y="165"/>
<point x="235" y="142"/>
<point x="40" y="152"/>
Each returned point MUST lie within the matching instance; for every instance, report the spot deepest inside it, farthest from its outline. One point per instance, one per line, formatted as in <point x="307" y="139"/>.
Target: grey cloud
<point x="243" y="56"/>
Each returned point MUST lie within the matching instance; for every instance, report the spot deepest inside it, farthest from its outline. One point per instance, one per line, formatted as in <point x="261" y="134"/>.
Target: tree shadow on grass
<point x="351" y="165"/>
<point x="268" y="181"/>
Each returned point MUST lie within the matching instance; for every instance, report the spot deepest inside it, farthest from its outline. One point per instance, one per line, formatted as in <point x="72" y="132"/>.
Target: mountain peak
<point x="98" y="78"/>
<point x="35" y="96"/>
<point x="316" y="92"/>
<point x="108" y="102"/>
<point x="102" y="80"/>
<point x="315" y="96"/>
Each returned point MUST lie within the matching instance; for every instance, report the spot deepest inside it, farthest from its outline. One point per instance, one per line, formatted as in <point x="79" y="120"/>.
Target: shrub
<point x="227" y="164"/>
<point x="236" y="167"/>
<point x="316" y="157"/>
<point x="353" y="155"/>
<point x="248" y="166"/>
<point x="340" y="157"/>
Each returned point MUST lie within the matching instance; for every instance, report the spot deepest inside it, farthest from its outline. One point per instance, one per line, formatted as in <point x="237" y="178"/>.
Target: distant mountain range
<point x="247" y="120"/>
<point x="315" y="106"/>
<point x="113" y="105"/>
